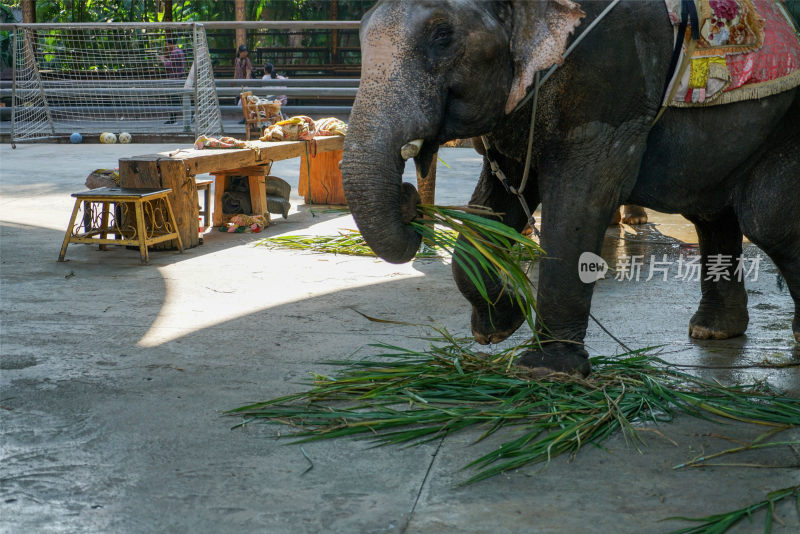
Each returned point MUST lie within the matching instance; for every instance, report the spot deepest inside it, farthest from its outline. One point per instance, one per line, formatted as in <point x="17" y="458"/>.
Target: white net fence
<point x="136" y="78"/>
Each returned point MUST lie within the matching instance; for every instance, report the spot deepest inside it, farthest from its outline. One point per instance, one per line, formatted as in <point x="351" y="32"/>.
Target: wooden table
<point x="177" y="169"/>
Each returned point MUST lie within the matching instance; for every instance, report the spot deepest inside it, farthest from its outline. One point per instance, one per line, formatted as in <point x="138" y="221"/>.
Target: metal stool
<point x="150" y="221"/>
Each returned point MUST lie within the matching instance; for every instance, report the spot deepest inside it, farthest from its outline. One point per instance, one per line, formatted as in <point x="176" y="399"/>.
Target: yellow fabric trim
<point x="702" y="68"/>
<point x="698" y="77"/>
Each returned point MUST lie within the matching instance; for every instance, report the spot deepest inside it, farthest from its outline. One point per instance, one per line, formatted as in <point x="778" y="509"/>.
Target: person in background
<point x="243" y="66"/>
<point x="175" y="60"/>
<point x="271" y="74"/>
<point x="175" y="63"/>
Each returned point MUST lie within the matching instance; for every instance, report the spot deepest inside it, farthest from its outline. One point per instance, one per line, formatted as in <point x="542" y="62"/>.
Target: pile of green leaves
<point x="407" y="396"/>
<point x="348" y="242"/>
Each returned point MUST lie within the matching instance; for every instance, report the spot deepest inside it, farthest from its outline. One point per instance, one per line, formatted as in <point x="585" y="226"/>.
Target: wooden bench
<point x="176" y="170"/>
<point x="151" y="221"/>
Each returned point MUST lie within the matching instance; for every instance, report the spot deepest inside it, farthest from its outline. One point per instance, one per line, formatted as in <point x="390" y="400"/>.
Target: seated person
<point x="271" y="74"/>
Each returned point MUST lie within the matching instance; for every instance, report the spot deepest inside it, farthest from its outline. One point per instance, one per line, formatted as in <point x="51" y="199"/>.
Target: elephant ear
<point x="539" y="37"/>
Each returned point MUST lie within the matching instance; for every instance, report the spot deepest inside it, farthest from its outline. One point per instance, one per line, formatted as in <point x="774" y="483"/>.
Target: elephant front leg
<point x="501" y="316"/>
<point x="563" y="299"/>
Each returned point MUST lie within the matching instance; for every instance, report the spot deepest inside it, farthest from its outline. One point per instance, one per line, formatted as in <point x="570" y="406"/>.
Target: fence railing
<point x="307" y="96"/>
<point x="345" y="88"/>
<point x="299" y="48"/>
<point x="96" y="89"/>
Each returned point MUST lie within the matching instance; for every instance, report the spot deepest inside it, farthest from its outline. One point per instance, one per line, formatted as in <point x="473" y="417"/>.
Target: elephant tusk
<point x="411" y="149"/>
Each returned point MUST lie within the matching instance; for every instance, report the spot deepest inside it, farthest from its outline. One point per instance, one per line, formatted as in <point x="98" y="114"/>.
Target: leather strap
<point x="688" y="18"/>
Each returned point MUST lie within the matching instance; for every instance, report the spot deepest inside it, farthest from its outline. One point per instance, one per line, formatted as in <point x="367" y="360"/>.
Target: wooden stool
<point x="205" y="187"/>
<point x="151" y="222"/>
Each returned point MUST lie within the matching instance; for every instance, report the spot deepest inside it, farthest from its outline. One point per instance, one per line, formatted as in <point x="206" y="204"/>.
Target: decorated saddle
<point x="747" y="49"/>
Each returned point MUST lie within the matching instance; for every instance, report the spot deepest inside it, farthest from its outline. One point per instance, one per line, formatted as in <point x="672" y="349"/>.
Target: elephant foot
<point x="634" y="215"/>
<point x="557" y="358"/>
<point x="718" y="324"/>
<point x="496" y="327"/>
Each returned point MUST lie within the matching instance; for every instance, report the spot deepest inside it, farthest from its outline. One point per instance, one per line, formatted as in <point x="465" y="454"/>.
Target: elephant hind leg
<point x="787" y="258"/>
<point x="789" y="266"/>
<point x="770" y="213"/>
<point x="630" y="214"/>
<point x="722" y="312"/>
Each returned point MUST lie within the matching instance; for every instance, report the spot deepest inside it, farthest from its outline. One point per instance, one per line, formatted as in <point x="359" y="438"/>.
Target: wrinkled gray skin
<point x="446" y="69"/>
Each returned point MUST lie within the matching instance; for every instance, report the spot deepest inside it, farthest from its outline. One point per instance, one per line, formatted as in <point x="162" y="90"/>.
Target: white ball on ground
<point x="108" y="138"/>
<point x="125" y="137"/>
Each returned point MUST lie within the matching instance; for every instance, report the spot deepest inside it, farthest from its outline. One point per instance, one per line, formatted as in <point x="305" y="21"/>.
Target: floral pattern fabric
<point x="744" y="44"/>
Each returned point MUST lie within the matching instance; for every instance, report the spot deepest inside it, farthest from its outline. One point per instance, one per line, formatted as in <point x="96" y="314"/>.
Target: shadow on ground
<point x="114" y="376"/>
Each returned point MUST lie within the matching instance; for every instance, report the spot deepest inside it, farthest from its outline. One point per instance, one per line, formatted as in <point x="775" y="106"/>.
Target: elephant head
<point x="432" y="71"/>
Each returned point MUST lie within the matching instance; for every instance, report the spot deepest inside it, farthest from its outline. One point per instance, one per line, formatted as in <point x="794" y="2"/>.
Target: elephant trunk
<point x="372" y="166"/>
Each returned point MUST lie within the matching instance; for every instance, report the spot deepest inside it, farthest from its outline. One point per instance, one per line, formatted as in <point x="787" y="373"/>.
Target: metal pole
<point x="13" y="86"/>
<point x="196" y="65"/>
<point x="35" y="66"/>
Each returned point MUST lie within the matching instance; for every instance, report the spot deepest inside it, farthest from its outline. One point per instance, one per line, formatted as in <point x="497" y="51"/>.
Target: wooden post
<point x="28" y="11"/>
<point x="152" y="172"/>
<point x="325" y="183"/>
<point x="167" y="11"/>
<point x="184" y="201"/>
<point x="335" y="33"/>
<point x="220" y="183"/>
<point x="426" y="185"/>
<point x="241" y="33"/>
<point x="258" y="193"/>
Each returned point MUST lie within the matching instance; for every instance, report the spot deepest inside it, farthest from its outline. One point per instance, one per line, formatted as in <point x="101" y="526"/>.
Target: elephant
<point x="436" y="70"/>
<point x="630" y="214"/>
<point x="627" y="214"/>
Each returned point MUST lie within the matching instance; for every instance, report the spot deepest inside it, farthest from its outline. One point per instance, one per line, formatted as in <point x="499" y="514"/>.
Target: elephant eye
<point x="442" y="35"/>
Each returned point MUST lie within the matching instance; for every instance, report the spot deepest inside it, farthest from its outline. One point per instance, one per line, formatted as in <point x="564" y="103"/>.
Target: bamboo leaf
<point x="451" y="388"/>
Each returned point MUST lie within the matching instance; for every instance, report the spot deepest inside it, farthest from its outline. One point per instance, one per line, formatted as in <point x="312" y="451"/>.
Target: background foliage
<point x="189" y="10"/>
<point x="221" y="42"/>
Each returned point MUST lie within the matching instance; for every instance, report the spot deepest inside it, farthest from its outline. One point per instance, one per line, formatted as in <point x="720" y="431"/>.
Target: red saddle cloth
<point x="747" y="49"/>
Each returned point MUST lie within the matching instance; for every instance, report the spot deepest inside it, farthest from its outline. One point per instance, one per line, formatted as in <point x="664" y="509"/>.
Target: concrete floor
<point x="114" y="377"/>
